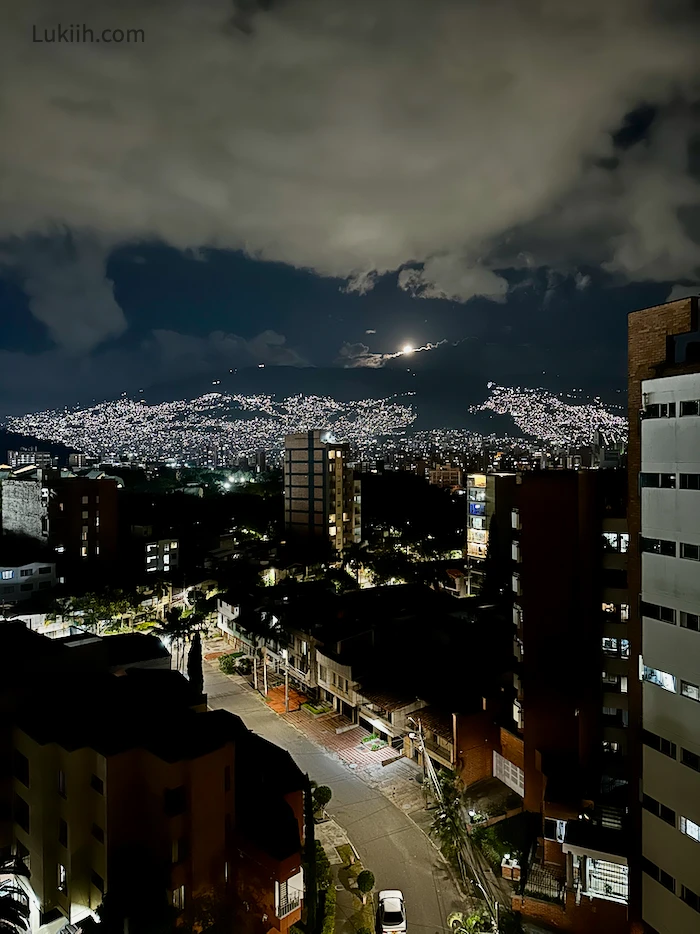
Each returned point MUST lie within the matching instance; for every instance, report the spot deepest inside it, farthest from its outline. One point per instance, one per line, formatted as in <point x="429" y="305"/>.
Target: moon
<point x="407" y="349"/>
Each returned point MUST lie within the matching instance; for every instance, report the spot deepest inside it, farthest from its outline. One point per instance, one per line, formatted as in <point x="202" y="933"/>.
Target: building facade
<point x="74" y="516"/>
<point x="321" y="497"/>
<point x="19" y="583"/>
<point x="664" y="505"/>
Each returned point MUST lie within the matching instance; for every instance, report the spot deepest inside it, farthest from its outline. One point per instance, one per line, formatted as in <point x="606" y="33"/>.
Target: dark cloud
<point x="353" y="138"/>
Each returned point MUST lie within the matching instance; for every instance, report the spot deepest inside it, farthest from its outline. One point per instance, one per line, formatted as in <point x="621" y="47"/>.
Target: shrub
<point x="323" y="868"/>
<point x="227" y="664"/>
<point x="322" y="795"/>
<point x="365" y="881"/>
<point x="329" y="912"/>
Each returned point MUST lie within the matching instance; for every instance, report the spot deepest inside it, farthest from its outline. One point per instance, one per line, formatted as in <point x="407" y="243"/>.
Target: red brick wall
<point x="592" y="915"/>
<point x="512" y="748"/>
<point x="553" y="854"/>
<point x="477" y="737"/>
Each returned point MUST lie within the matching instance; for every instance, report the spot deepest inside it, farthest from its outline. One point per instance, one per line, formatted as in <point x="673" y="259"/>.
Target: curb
<point x="458" y="883"/>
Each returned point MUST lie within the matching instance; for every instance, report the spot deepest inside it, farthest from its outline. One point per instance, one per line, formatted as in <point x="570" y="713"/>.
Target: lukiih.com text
<point x="75" y="33"/>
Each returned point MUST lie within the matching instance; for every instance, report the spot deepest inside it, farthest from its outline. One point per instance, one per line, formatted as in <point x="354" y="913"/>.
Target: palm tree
<point x="14" y="904"/>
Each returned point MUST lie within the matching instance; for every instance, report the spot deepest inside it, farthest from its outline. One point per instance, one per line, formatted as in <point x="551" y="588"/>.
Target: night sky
<point x="320" y="183"/>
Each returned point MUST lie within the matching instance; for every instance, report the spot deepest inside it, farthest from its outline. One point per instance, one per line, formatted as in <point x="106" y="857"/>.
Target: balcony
<point x="289" y="904"/>
<point x="441" y="754"/>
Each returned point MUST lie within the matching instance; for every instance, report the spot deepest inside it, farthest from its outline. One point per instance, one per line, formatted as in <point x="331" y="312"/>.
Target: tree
<point x="448" y="825"/>
<point x="194" y="664"/>
<point x="365" y="883"/>
<point x="14" y="911"/>
<point x="322" y="796"/>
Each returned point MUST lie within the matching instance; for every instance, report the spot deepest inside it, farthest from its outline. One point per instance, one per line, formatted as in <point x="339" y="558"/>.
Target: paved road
<point x="389" y="843"/>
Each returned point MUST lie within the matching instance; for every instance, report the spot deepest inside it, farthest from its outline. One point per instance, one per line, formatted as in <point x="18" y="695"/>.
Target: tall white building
<point x="665" y="462"/>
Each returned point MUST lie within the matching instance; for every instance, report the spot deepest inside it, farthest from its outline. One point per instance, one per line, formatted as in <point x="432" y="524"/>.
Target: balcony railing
<point x="288" y="905"/>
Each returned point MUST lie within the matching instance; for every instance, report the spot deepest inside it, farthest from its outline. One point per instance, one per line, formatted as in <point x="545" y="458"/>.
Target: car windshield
<point x="393" y="917"/>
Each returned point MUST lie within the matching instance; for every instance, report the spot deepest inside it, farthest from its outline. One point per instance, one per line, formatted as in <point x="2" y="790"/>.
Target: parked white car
<point x="391" y="917"/>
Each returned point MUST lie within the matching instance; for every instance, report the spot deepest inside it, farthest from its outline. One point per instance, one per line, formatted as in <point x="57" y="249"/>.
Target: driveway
<point x="387" y="840"/>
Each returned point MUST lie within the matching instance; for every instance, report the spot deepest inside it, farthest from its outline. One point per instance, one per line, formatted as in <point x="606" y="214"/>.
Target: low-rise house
<point x="437" y="728"/>
<point x="386" y="713"/>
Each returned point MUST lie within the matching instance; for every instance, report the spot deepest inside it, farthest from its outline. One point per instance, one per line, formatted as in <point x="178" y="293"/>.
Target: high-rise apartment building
<point x="489" y="500"/>
<point x="321" y="496"/>
<point x="664" y="513"/>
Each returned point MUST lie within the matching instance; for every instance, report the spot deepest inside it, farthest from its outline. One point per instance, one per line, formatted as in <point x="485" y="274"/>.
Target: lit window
<point x="661" y="678"/>
<point x="179" y="897"/>
<point x="624" y="612"/>
<point x="690" y="481"/>
<point x="62" y="878"/>
<point x="8" y="575"/>
<point x="85" y="514"/>
<point x="83" y="551"/>
<point x="690" y="552"/>
<point x="97" y="549"/>
<point x="60" y="549"/>
<point x="85" y="500"/>
<point x="691" y="691"/>
<point x="690" y="829"/>
<point x="173" y="545"/>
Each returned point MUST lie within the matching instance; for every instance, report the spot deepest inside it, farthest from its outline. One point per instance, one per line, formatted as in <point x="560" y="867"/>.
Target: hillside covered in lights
<point x="240" y="425"/>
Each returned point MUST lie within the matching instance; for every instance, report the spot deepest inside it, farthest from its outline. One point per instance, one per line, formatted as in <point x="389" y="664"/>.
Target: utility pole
<point x="286" y="685"/>
<point x="264" y="661"/>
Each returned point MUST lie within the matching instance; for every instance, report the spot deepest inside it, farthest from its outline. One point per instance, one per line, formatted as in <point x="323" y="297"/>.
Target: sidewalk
<point x="350" y="915"/>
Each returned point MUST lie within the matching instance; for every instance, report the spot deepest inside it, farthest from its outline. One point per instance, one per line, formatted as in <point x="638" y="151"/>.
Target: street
<point x="388" y="842"/>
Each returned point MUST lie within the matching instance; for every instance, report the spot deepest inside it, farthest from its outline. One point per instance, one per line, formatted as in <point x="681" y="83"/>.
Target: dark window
<point x="22" y="813"/>
<point x="660" y="810"/>
<point x="690" y="481"/>
<point x="667" y="481"/>
<point x="98" y="833"/>
<point x="97" y="784"/>
<point x="20" y="768"/>
<point x="228" y="830"/>
<point x="690" y="621"/>
<point x="180" y="850"/>
<point x="63" y="833"/>
<point x="672" y="410"/>
<point x="654" y="611"/>
<point x="45" y="570"/>
<point x="615" y="578"/>
<point x="691" y="407"/>
<point x="659" y="743"/>
<point x="175" y="801"/>
<point x="97" y="881"/>
<point x="690" y="759"/>
<point x="26" y="587"/>
<point x="227" y="778"/>
<point x="44" y="585"/>
<point x="26" y="572"/>
<point x="658" y="546"/>
<point x="690" y="552"/>
<point x="667" y="814"/>
<point x="688" y="896"/>
<point x="61" y="783"/>
<point x="667" y="880"/>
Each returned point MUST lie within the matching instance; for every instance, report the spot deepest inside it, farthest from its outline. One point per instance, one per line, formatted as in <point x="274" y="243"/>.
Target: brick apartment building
<point x="131" y="778"/>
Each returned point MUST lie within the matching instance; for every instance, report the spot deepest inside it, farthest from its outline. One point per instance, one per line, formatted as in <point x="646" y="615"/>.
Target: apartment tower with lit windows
<point x="321" y="496"/>
<point x="664" y="513"/>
